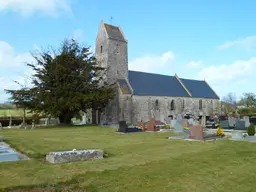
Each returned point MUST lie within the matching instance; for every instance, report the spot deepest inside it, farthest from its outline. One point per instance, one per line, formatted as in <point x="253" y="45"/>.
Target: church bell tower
<point x="112" y="52"/>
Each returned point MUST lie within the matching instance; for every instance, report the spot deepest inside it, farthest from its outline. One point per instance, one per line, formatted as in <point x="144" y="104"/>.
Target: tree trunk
<point x="65" y="118"/>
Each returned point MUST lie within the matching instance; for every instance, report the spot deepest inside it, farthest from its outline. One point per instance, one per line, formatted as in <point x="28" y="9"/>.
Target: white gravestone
<point x="247" y="121"/>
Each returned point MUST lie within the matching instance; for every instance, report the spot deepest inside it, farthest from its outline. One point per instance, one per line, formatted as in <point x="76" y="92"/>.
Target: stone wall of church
<point x="133" y="109"/>
<point x="117" y="59"/>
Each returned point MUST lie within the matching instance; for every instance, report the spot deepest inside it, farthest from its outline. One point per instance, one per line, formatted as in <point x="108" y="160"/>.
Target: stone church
<point x="142" y="96"/>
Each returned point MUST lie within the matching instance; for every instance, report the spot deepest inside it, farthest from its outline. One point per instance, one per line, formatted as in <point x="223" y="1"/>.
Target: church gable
<point x="199" y="89"/>
<point x="114" y="32"/>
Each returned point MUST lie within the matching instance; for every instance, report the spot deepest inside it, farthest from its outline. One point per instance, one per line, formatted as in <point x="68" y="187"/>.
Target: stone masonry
<point x="112" y="53"/>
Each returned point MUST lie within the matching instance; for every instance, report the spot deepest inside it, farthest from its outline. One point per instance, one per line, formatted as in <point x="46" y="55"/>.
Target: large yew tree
<point x="65" y="81"/>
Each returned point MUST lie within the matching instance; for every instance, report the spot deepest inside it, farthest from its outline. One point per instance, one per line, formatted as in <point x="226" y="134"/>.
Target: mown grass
<point x="136" y="162"/>
<point x="13" y="113"/>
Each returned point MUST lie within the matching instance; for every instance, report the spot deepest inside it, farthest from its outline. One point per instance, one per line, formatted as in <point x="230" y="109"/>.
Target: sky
<point x="205" y="40"/>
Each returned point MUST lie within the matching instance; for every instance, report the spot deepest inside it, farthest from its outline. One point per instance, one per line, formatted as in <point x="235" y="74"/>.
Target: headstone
<point x="151" y="125"/>
<point x="178" y="128"/>
<point x="184" y="123"/>
<point x="224" y="124"/>
<point x="74" y="155"/>
<point x="7" y="154"/>
<point x="236" y="135"/>
<point x="247" y="121"/>
<point x="179" y="117"/>
<point x="84" y="119"/>
<point x="122" y="126"/>
<point x="173" y="122"/>
<point x="240" y="125"/>
<point x="231" y="121"/>
<point x="190" y="121"/>
<point x="196" y="132"/>
<point x="1" y="127"/>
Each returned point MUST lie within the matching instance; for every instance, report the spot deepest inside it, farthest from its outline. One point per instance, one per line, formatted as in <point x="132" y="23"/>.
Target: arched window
<point x="117" y="48"/>
<point x="200" y="104"/>
<point x="157" y="104"/>
<point x="172" y="105"/>
<point x="183" y="104"/>
<point x="101" y="49"/>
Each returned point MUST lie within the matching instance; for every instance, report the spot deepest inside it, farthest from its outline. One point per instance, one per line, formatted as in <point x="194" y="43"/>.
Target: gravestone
<point x="7" y="154"/>
<point x="74" y="155"/>
<point x="247" y="121"/>
<point x="151" y="125"/>
<point x="224" y="124"/>
<point x="184" y="123"/>
<point x="179" y="118"/>
<point x="231" y="121"/>
<point x="122" y="126"/>
<point x="1" y="127"/>
<point x="173" y="122"/>
<point x="240" y="125"/>
<point x="178" y="128"/>
<point x="236" y="135"/>
<point x="196" y="132"/>
<point x="253" y="120"/>
<point x="190" y="121"/>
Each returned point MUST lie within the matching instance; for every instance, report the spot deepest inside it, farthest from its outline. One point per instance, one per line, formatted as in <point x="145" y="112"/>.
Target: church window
<point x="183" y="104"/>
<point x="101" y="49"/>
<point x="117" y="48"/>
<point x="200" y="104"/>
<point x="157" y="105"/>
<point x="172" y="105"/>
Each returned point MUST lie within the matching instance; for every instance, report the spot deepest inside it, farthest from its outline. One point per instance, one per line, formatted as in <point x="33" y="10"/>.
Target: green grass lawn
<point x="13" y="112"/>
<point x="142" y="162"/>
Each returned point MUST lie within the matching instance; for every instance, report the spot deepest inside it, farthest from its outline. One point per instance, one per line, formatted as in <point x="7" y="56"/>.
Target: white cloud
<point x="225" y="74"/>
<point x="247" y="43"/>
<point x="152" y="63"/>
<point x="12" y="68"/>
<point x="194" y="64"/>
<point x="78" y="35"/>
<point x="9" y="59"/>
<point x="29" y="7"/>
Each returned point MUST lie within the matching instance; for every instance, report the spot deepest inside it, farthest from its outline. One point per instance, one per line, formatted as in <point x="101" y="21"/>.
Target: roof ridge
<point x="151" y="73"/>
<point x="183" y="85"/>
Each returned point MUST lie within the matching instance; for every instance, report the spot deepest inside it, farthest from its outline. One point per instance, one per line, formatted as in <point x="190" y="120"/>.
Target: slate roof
<point x="199" y="89"/>
<point x="114" y="32"/>
<point x="149" y="84"/>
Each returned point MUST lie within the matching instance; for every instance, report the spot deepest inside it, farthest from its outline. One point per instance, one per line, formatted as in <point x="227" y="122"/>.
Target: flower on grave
<point x="220" y="131"/>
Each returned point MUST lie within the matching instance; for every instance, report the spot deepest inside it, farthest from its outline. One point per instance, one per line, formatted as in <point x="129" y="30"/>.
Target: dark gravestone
<point x="253" y="120"/>
<point x="240" y="125"/>
<point x="224" y="124"/>
<point x="122" y="126"/>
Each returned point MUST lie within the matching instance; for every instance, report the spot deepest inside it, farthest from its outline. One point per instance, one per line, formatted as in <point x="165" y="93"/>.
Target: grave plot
<point x="9" y="154"/>
<point x="74" y="155"/>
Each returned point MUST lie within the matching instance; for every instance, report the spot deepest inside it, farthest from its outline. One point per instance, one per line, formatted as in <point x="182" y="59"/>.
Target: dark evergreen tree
<point x="65" y="82"/>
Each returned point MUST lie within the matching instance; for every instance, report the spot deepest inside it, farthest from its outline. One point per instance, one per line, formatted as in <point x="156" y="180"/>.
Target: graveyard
<point x="141" y="161"/>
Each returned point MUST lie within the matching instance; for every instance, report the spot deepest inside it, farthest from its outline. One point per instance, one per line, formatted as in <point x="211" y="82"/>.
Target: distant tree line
<point x="244" y="105"/>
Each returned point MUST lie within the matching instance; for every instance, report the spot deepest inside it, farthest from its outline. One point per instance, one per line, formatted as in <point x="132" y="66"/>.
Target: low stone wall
<point x="75" y="155"/>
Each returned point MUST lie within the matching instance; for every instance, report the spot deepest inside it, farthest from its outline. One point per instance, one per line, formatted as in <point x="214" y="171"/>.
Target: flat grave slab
<point x="7" y="154"/>
<point x="74" y="155"/>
